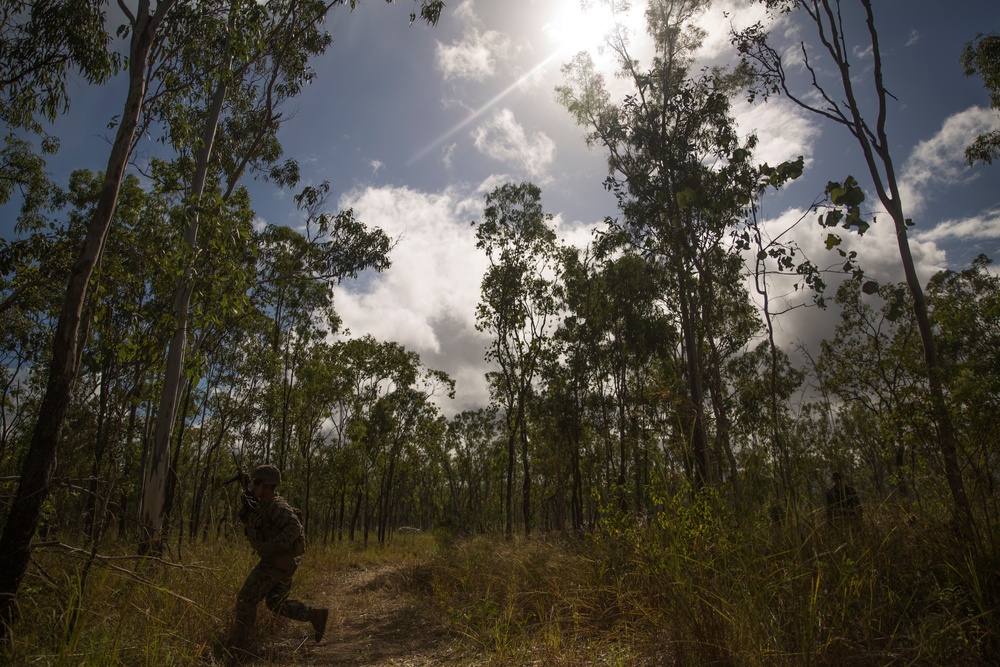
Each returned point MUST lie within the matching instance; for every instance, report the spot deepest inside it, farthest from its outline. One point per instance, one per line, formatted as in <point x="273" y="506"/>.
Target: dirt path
<point x="379" y="616"/>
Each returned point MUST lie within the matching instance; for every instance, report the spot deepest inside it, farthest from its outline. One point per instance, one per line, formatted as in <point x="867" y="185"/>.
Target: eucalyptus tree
<point x="965" y="309"/>
<point x="569" y="374"/>
<point x="680" y="173"/>
<point x="761" y="376"/>
<point x="392" y="429"/>
<point x="517" y="306"/>
<point x="144" y="32"/>
<point x="836" y="94"/>
<point x="272" y="41"/>
<point x="125" y="316"/>
<point x="981" y="57"/>
<point x="388" y="388"/>
<point x="633" y="334"/>
<point x="868" y="363"/>
<point x="472" y="460"/>
<point x="45" y="42"/>
<point x="297" y="274"/>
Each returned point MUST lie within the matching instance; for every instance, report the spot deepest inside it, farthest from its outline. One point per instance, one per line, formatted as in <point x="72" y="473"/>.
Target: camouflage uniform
<point x="273" y="529"/>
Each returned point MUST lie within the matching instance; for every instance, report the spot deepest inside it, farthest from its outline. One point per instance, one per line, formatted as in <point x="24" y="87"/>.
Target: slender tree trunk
<point x="509" y="496"/>
<point x="154" y="496"/>
<point x="526" y="483"/>
<point x="39" y="464"/>
<point x="699" y="440"/>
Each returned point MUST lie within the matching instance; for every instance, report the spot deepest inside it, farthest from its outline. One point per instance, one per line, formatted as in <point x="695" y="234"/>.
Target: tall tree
<point x="677" y="167"/>
<point x="144" y="28"/>
<point x="274" y="42"/>
<point x="837" y="99"/>
<point x="517" y="305"/>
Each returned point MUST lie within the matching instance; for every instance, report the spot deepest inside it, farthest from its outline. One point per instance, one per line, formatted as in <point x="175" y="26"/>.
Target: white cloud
<point x="504" y="139"/>
<point x="719" y="19"/>
<point x="940" y="160"/>
<point x="986" y="225"/>
<point x="476" y="55"/>
<point x="426" y="301"/>
<point x="784" y="131"/>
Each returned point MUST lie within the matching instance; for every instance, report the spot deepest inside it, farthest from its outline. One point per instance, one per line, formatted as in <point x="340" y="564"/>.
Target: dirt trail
<point x="379" y="616"/>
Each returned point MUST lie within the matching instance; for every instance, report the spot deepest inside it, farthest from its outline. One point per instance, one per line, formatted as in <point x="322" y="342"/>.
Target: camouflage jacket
<point x="273" y="529"/>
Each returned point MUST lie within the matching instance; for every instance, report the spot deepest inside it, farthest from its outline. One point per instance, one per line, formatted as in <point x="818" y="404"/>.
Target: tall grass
<point x="700" y="586"/>
<point x="134" y="612"/>
<point x="693" y="584"/>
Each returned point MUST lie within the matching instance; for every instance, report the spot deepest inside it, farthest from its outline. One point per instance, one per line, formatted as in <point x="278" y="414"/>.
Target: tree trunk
<point x="155" y="488"/>
<point x="39" y="464"/>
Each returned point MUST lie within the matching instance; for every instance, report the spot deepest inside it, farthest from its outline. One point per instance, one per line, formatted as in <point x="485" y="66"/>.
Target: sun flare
<point x="578" y="25"/>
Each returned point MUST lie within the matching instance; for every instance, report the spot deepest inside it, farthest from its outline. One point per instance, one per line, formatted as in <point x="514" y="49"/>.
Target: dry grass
<point x="697" y="586"/>
<point x="703" y="588"/>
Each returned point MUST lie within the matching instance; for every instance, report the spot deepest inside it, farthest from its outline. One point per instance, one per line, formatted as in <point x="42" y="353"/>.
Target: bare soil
<point x="379" y="616"/>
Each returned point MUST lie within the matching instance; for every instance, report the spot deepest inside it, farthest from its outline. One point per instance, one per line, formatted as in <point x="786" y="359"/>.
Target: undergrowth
<point x="692" y="584"/>
<point x="697" y="585"/>
<point x="174" y="611"/>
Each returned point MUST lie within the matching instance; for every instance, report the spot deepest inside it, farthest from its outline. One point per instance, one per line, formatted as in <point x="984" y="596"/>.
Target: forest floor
<point x="381" y="615"/>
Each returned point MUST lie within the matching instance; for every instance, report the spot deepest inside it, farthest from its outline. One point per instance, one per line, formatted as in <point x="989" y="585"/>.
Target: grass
<point x="703" y="588"/>
<point x="134" y="612"/>
<point x="697" y="586"/>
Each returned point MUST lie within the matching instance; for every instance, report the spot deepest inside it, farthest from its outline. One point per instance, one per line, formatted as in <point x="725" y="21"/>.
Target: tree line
<point x="154" y="340"/>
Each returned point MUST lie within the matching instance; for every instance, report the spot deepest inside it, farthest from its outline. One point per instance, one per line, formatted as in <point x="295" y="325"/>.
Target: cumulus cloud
<point x="476" y="55"/>
<point x="504" y="139"/>
<point x="784" y="131"/>
<point x="717" y="21"/>
<point x="940" y="160"/>
<point x="426" y="301"/>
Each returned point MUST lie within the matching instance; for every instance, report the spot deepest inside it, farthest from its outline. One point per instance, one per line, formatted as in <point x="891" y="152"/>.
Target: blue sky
<point x="412" y="125"/>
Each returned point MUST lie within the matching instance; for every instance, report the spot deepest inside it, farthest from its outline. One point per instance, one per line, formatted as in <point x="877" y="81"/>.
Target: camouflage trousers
<point x="268" y="583"/>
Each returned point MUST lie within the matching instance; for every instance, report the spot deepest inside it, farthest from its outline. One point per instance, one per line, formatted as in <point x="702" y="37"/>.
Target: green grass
<point x="697" y="586"/>
<point x="134" y="612"/>
<point x="703" y="588"/>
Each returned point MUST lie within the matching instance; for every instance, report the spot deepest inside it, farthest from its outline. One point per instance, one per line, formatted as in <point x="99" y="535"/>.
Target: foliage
<point x="982" y="56"/>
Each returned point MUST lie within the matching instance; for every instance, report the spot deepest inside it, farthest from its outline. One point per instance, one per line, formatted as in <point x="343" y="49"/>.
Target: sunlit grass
<point x="136" y="612"/>
<point x="696" y="586"/>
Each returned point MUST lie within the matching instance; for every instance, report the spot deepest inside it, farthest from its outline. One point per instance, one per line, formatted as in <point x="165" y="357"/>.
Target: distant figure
<point x="842" y="500"/>
<point x="276" y="535"/>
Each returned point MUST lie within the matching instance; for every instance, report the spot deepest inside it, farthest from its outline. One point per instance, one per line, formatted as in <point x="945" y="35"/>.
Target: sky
<point x="412" y="125"/>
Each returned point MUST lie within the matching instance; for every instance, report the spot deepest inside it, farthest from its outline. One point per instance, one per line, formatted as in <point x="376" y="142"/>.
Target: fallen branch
<point x="107" y="559"/>
<point x="106" y="562"/>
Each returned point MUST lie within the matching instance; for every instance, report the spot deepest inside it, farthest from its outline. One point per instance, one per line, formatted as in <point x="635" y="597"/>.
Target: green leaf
<point x="870" y="287"/>
<point x="832" y="240"/>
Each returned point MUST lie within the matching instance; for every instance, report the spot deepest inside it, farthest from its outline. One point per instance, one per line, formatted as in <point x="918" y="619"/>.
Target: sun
<point x="578" y="25"/>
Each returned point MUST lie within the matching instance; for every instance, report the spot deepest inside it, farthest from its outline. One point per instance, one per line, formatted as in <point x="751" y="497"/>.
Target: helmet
<point x="267" y="474"/>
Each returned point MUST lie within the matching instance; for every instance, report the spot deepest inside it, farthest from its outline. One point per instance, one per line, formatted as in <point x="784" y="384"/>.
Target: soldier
<point x="276" y="535"/>
<point x="842" y="500"/>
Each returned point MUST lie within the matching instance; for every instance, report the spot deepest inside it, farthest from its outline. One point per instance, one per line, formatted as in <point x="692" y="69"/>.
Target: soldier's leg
<point x="255" y="588"/>
<point x="277" y="600"/>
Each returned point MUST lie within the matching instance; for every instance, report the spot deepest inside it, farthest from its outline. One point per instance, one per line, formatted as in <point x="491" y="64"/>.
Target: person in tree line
<point x="276" y="534"/>
<point x="842" y="500"/>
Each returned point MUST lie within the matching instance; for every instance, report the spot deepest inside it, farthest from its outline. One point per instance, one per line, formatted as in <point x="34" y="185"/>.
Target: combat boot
<point x="318" y="619"/>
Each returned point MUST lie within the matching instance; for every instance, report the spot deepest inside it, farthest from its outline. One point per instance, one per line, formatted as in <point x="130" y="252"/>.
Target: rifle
<point x="249" y="500"/>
